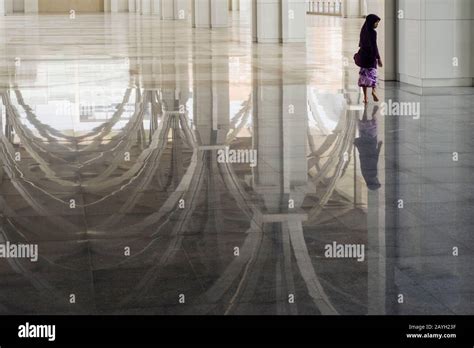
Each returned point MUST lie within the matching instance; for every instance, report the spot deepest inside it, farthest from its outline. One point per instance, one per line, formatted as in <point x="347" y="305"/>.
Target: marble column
<point x="131" y="6"/>
<point x="174" y="9"/>
<point x="275" y="21"/>
<point x="363" y="8"/>
<point x="351" y="8"/>
<point x="210" y="14"/>
<point x="201" y="14"/>
<point x="111" y="6"/>
<point x="235" y="5"/>
<point x="180" y="9"/>
<point x="295" y="126"/>
<point x="293" y="21"/>
<point x="31" y="6"/>
<point x="435" y="43"/>
<point x="145" y="7"/>
<point x="6" y="7"/>
<point x="167" y="9"/>
<point x="268" y="21"/>
<point x="156" y="7"/>
<point x="3" y="9"/>
<point x="219" y="14"/>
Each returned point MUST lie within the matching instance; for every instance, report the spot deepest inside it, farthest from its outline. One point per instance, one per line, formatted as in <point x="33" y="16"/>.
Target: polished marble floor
<point x="111" y="131"/>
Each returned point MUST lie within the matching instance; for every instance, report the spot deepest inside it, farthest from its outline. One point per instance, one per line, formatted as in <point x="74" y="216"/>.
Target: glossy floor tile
<point x="161" y="169"/>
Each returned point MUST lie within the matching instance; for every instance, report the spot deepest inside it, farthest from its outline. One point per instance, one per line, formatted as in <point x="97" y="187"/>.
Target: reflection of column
<point x="267" y="138"/>
<point x="295" y="122"/>
<point x="211" y="98"/>
<point x="174" y="87"/>
<point x="441" y="34"/>
<point x="376" y="247"/>
<point x="280" y="117"/>
<point x="167" y="74"/>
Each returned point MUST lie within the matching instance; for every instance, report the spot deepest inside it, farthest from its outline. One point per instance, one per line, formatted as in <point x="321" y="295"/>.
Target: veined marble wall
<point x="51" y="6"/>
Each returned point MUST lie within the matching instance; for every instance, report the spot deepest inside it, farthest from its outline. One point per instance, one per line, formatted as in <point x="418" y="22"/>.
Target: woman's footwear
<point x="376" y="98"/>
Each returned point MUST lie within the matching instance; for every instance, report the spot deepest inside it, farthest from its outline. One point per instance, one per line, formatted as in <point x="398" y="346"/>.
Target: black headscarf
<point x="368" y="42"/>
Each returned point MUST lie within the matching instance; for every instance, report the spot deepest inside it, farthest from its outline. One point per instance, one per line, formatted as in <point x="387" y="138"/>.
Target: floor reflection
<point x="119" y="182"/>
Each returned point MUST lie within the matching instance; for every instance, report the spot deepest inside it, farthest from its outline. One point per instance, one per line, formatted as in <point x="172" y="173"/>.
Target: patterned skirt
<point x="368" y="77"/>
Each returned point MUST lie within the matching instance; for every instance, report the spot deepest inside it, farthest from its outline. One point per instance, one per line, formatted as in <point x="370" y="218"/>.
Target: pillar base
<point x="449" y="82"/>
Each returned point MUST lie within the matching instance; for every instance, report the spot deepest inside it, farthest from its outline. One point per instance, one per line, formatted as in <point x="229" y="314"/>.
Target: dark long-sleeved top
<point x="369" y="51"/>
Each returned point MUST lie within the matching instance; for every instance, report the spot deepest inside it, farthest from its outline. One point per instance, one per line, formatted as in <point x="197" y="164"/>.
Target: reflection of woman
<point x="369" y="57"/>
<point x="369" y="149"/>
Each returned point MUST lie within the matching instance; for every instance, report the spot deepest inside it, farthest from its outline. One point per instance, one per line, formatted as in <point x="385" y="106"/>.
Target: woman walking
<point x="368" y="57"/>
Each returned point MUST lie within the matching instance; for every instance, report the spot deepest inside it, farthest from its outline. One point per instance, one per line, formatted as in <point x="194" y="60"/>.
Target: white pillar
<point x="386" y="9"/>
<point x="351" y="8"/>
<point x="363" y="8"/>
<point x="174" y="9"/>
<point x="235" y="5"/>
<point x="294" y="21"/>
<point x="138" y="6"/>
<point x="275" y="21"/>
<point x="253" y="16"/>
<point x="8" y="6"/>
<point x="201" y="14"/>
<point x="269" y="24"/>
<point x="131" y="6"/>
<point x="167" y="9"/>
<point x="156" y="7"/>
<point x="435" y="43"/>
<point x="3" y="9"/>
<point x="31" y="6"/>
<point x="145" y="7"/>
<point x="180" y="9"/>
<point x="114" y="6"/>
<point x="219" y="14"/>
<point x="210" y="14"/>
